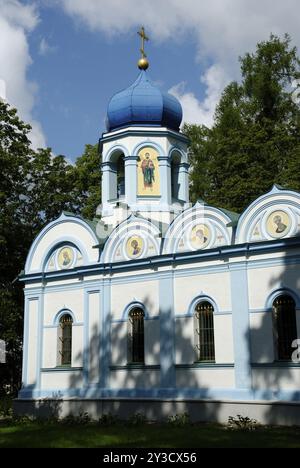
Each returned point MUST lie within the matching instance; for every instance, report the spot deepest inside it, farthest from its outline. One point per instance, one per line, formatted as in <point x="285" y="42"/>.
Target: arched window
<point x="204" y="328"/>
<point x="65" y="340"/>
<point x="136" y="336"/>
<point x="175" y="185"/>
<point x="285" y="327"/>
<point x="120" y="176"/>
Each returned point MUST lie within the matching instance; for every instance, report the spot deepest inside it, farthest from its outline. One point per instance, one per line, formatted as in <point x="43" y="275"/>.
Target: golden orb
<point x="143" y="63"/>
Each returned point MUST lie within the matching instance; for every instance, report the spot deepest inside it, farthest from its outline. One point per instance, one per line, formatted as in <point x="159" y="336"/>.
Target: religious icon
<point x="278" y="224"/>
<point x="148" y="173"/>
<point x="134" y="246"/>
<point x="65" y="257"/>
<point x="148" y="170"/>
<point x="200" y="236"/>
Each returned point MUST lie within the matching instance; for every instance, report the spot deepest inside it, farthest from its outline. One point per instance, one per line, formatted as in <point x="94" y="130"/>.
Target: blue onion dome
<point x="143" y="103"/>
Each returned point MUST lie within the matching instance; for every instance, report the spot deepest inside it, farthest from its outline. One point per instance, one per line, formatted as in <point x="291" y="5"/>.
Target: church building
<point x="159" y="306"/>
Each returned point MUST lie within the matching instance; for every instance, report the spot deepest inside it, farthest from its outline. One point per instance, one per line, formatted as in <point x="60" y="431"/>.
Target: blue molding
<point x="148" y="130"/>
<point x="59" y="314"/>
<point x="167" y="332"/>
<point x="62" y="219"/>
<point x="202" y="297"/>
<point x="278" y="292"/>
<point x="134" y="367"/>
<point x="275" y="365"/>
<point x="157" y="394"/>
<point x="61" y="369"/>
<point x="203" y="366"/>
<point x="174" y="259"/>
<point x="104" y="343"/>
<point x="241" y="328"/>
<point x="123" y="320"/>
<point x="132" y="305"/>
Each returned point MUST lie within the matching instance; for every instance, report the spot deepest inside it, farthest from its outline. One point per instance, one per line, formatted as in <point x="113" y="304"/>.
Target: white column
<point x="183" y="182"/>
<point x="131" y="180"/>
<point x="165" y="180"/>
<point x="109" y="182"/>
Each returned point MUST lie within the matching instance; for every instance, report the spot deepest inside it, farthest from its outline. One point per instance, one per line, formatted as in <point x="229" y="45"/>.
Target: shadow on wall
<point x="270" y="376"/>
<point x="108" y="392"/>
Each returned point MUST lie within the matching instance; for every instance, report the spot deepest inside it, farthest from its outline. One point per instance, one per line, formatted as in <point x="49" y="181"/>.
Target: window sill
<point x="135" y="367"/>
<point x="61" y="369"/>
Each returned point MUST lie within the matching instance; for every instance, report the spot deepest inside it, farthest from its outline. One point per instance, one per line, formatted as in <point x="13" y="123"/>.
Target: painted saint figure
<point x="280" y="226"/>
<point x="135" y="246"/>
<point x="148" y="169"/>
<point x="201" y="239"/>
<point x="66" y="257"/>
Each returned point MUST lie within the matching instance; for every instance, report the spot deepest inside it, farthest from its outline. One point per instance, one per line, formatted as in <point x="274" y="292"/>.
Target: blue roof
<point x="143" y="103"/>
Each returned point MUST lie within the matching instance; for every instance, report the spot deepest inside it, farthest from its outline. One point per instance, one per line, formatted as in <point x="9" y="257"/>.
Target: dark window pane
<point x="66" y="339"/>
<point x="136" y="336"/>
<point x="285" y="327"/>
<point x="205" y="332"/>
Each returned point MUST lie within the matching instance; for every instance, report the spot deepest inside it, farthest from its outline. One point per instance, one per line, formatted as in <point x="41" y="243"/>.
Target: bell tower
<point x="144" y="154"/>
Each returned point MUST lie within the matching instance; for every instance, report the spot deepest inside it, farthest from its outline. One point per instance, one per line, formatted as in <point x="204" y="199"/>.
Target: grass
<point x="51" y="435"/>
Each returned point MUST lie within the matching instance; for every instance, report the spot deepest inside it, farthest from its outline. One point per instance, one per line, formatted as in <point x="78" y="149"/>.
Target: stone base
<point x="271" y="413"/>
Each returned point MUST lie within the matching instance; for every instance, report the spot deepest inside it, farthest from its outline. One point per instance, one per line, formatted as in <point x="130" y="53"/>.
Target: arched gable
<point x="272" y="216"/>
<point x="134" y="238"/>
<point x="67" y="232"/>
<point x="198" y="227"/>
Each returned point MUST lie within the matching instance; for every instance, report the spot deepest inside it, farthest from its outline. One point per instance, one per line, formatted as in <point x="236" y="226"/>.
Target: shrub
<point x="179" y="420"/>
<point x="137" y="419"/>
<point x="242" y="423"/>
<point x="107" y="419"/>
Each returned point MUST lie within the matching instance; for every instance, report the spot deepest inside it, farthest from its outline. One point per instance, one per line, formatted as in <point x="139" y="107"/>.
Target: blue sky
<point x="62" y="60"/>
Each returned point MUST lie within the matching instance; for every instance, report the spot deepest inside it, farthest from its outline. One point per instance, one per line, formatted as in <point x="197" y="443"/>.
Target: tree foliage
<point x="35" y="187"/>
<point x="255" y="139"/>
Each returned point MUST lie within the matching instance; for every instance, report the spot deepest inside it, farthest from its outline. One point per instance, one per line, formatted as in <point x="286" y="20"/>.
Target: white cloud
<point x="45" y="48"/>
<point x="16" y="22"/>
<point x="202" y="112"/>
<point x="224" y="29"/>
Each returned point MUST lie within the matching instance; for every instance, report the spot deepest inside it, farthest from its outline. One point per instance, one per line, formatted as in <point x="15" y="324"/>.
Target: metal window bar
<point x="205" y="332"/>
<point x="285" y="326"/>
<point x="66" y="340"/>
<point x="136" y="337"/>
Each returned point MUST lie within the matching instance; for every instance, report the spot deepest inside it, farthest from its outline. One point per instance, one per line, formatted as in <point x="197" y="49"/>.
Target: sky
<point x="62" y="60"/>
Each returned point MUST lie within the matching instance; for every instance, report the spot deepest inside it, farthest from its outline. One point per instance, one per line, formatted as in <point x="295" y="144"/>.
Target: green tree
<point x="254" y="141"/>
<point x="35" y="187"/>
<point x="87" y="183"/>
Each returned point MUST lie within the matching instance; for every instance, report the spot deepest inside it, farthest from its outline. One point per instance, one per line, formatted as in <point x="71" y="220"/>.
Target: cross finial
<point x="143" y="63"/>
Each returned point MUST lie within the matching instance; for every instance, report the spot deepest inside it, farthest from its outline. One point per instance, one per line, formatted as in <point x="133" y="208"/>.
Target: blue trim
<point x="169" y="259"/>
<point x="201" y="298"/>
<point x="26" y="341"/>
<point x="61" y="369"/>
<point x="132" y="305"/>
<point x="276" y="365"/>
<point x="62" y="219"/>
<point x="266" y="196"/>
<point x="146" y="144"/>
<point x="187" y="315"/>
<point x="105" y="346"/>
<point x="123" y="320"/>
<point x="204" y="365"/>
<point x="59" y="315"/>
<point x="114" y="149"/>
<point x="219" y="394"/>
<point x="134" y="367"/>
<point x="241" y="326"/>
<point x="85" y="357"/>
<point x="149" y="130"/>
<point x="77" y="324"/>
<point x="167" y="332"/>
<point x="40" y="340"/>
<point x="278" y="292"/>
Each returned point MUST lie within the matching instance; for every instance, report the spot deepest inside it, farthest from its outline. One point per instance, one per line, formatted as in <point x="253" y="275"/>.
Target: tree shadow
<point x="275" y="382"/>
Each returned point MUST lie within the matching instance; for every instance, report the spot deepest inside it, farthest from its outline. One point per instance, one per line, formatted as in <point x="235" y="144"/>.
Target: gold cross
<point x="144" y="38"/>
